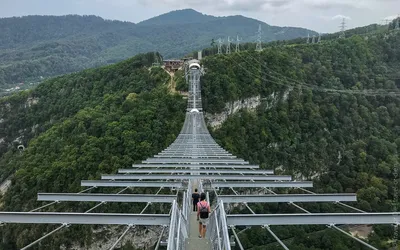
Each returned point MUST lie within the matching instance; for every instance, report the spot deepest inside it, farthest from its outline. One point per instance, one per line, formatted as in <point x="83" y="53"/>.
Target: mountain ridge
<point x="55" y="45"/>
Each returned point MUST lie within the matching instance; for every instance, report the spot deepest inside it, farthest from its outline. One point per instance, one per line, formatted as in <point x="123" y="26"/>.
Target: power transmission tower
<point x="228" y="48"/>
<point x="237" y="44"/>
<point x="220" y="42"/>
<point x="313" y="39"/>
<point x="342" y="28"/>
<point x="308" y="38"/>
<point x="259" y="38"/>
<point x="319" y="37"/>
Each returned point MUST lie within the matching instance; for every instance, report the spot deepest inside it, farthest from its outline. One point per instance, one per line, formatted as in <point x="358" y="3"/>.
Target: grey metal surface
<point x="313" y="219"/>
<point x="90" y="183"/>
<point x="262" y="184"/>
<point x="197" y="171"/>
<point x="84" y="218"/>
<point x="244" y="166"/>
<point x="287" y="198"/>
<point x="107" y="197"/>
<point x="204" y="177"/>
<point x="194" y="160"/>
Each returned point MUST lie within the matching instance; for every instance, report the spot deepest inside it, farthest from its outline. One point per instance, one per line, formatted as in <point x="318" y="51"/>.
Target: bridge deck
<point x="193" y="242"/>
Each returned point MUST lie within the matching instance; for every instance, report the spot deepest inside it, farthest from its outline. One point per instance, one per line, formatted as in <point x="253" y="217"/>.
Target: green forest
<point x="329" y="111"/>
<point x="32" y="47"/>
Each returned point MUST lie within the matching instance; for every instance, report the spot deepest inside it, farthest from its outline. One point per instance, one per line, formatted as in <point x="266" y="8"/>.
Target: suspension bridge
<point x="195" y="160"/>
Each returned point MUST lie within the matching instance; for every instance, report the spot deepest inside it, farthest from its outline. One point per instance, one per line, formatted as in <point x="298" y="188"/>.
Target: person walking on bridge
<point x="195" y="199"/>
<point x="203" y="211"/>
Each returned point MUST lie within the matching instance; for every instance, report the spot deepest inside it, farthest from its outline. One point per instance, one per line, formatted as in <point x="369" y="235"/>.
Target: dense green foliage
<point x="88" y="123"/>
<point x="35" y="46"/>
<point x="326" y="113"/>
<point x="315" y="122"/>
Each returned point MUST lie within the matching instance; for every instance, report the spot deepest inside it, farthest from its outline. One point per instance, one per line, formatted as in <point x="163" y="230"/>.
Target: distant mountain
<point x="32" y="47"/>
<point x="179" y="17"/>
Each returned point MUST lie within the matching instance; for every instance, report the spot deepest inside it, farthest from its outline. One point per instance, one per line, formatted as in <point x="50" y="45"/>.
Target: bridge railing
<point x="177" y="229"/>
<point x="217" y="231"/>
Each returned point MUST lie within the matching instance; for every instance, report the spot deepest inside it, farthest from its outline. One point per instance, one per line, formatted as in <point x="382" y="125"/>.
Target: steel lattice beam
<point x="87" y="183"/>
<point x="107" y="197"/>
<point x="84" y="218"/>
<point x="189" y="161"/>
<point x="159" y="165"/>
<point x="196" y="171"/>
<point x="204" y="177"/>
<point x="312" y="219"/>
<point x="287" y="198"/>
<point x="262" y="184"/>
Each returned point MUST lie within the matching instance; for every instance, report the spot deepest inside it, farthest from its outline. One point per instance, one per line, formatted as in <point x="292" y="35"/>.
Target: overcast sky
<point x="319" y="15"/>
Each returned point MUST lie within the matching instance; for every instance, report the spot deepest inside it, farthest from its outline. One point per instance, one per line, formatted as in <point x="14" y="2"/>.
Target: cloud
<point x="223" y="5"/>
<point x="341" y="17"/>
<point x="338" y="4"/>
<point x="390" y="18"/>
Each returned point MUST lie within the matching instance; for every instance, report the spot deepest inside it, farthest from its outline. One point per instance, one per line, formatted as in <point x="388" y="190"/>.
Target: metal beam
<point x="87" y="183"/>
<point x="190" y="156"/>
<point x="262" y="184"/>
<point x="197" y="171"/>
<point x="205" y="177"/>
<point x="107" y="197"/>
<point x="159" y="165"/>
<point x="84" y="218"/>
<point x="189" y="161"/>
<point x="312" y="219"/>
<point x="287" y="198"/>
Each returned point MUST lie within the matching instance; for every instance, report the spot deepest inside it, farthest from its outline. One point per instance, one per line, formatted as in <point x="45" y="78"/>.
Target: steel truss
<point x="262" y="184"/>
<point x="313" y="219"/>
<point x="204" y="177"/>
<point x="194" y="171"/>
<point x="84" y="218"/>
<point x="107" y="197"/>
<point x="90" y="183"/>
<point x="194" y="166"/>
<point x="287" y="198"/>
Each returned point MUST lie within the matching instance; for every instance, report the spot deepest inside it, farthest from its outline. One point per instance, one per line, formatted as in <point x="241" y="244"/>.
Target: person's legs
<point x="200" y="229"/>
<point x="203" y="235"/>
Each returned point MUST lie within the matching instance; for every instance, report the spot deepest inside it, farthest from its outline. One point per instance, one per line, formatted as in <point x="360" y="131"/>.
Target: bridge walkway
<point x="193" y="242"/>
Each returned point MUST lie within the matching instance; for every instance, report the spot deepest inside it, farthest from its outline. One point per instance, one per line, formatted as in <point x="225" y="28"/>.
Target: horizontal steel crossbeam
<point x="204" y="177"/>
<point x="159" y="165"/>
<point x="312" y="219"/>
<point x="189" y="156"/>
<point x="287" y="198"/>
<point x="262" y="184"/>
<point x="106" y="197"/>
<point x="196" y="171"/>
<point x="189" y="161"/>
<point x="84" y="218"/>
<point x="90" y="183"/>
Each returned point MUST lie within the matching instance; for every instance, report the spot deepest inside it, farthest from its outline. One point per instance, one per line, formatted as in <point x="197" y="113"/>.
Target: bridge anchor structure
<point x="195" y="160"/>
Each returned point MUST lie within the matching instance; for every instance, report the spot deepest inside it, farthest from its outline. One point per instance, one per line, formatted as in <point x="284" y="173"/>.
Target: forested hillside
<point x="41" y="46"/>
<point x="330" y="112"/>
<point x="86" y="123"/>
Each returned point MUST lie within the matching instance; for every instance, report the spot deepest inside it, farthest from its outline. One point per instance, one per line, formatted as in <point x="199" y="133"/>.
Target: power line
<point x="297" y="84"/>
<point x="228" y="47"/>
<point x="259" y="39"/>
<point x="220" y="42"/>
<point x="342" y="28"/>
<point x="237" y="44"/>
